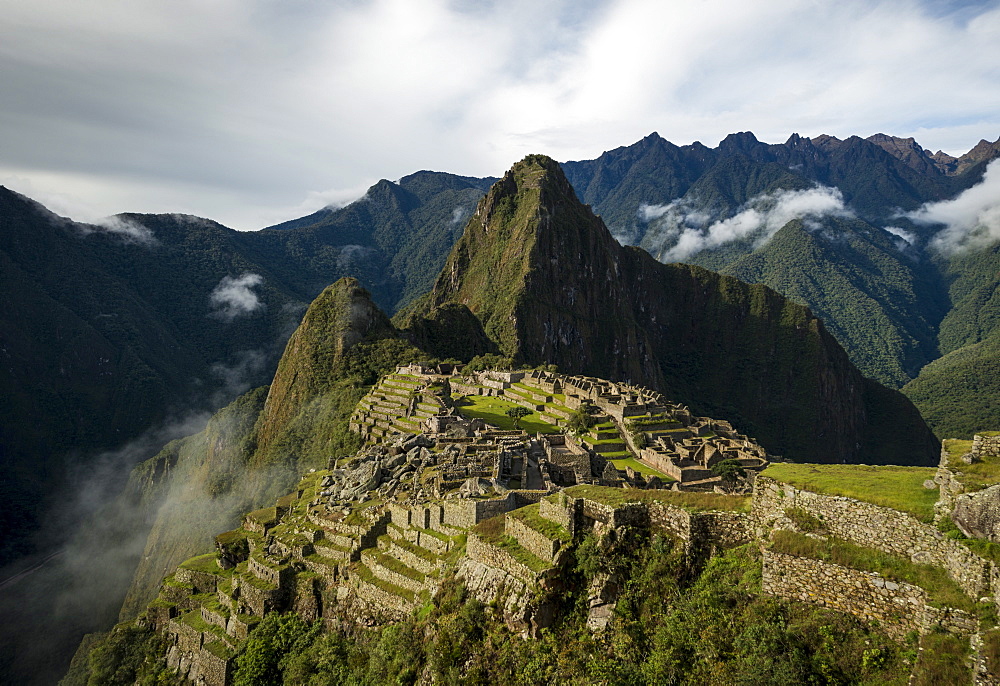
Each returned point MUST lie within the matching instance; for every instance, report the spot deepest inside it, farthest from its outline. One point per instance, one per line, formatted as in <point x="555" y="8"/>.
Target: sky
<point x="252" y="112"/>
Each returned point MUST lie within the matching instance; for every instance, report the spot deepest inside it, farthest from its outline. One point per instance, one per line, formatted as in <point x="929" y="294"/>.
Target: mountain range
<point x="115" y="328"/>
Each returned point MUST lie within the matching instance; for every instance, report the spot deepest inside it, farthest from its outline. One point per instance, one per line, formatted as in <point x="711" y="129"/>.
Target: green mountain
<point x="894" y="304"/>
<point x="110" y="331"/>
<point x="537" y="277"/>
<point x="255" y="449"/>
<point x="550" y="285"/>
<point x="957" y="393"/>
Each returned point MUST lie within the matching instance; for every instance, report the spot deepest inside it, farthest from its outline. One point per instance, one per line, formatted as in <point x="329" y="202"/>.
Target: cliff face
<point x="551" y="285"/>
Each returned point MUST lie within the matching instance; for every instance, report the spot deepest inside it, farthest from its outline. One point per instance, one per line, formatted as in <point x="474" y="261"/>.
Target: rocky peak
<point x="984" y="151"/>
<point x="909" y="152"/>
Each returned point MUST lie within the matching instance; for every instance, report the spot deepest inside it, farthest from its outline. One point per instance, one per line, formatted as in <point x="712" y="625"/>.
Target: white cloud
<point x="906" y="236"/>
<point x="234" y="297"/>
<point x="128" y="230"/>
<point x="971" y="220"/>
<point x="235" y="111"/>
<point x="758" y="220"/>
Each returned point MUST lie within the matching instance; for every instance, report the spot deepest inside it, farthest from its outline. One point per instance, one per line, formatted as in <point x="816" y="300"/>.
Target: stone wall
<point x="488" y="554"/>
<point x="381" y="602"/>
<point x="562" y="512"/>
<point x="985" y="446"/>
<point x="722" y="529"/>
<point x="492" y="585"/>
<point x="898" y="608"/>
<point x="202" y="582"/>
<point x="535" y="542"/>
<point x="467" y="513"/>
<point x="671" y="520"/>
<point x="872" y="526"/>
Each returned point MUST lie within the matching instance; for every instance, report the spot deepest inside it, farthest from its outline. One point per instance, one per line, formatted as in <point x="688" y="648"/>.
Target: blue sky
<point x="251" y="112"/>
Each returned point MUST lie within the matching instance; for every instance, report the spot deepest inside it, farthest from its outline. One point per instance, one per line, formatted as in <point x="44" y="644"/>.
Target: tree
<point x="581" y="420"/>
<point x="517" y="413"/>
<point x="729" y="470"/>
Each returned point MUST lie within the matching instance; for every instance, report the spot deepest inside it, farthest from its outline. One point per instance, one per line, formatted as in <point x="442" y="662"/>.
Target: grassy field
<point x="975" y="476"/>
<point x="493" y="411"/>
<point x="643" y="469"/>
<point x="900" y="488"/>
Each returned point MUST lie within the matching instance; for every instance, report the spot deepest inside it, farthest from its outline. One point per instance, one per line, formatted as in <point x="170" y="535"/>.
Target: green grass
<point x="369" y="577"/>
<point x="193" y="619"/>
<point x="942" y="591"/>
<point x="493" y="410"/>
<point x="942" y="661"/>
<point x="493" y="531"/>
<point x="257" y="583"/>
<point x="529" y="515"/>
<point x="355" y="518"/>
<point x="392" y="564"/>
<point x="804" y="520"/>
<point x="643" y="469"/>
<point x="264" y="516"/>
<point x="985" y="549"/>
<point x="219" y="649"/>
<point x="203" y="563"/>
<point x="899" y="488"/>
<point x="695" y="502"/>
<point x="975" y="476"/>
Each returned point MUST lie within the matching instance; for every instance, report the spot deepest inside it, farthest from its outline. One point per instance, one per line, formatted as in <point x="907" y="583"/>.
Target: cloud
<point x="459" y="215"/>
<point x="686" y="234"/>
<point x="234" y="297"/>
<point x="971" y="220"/>
<point x="113" y="105"/>
<point x="905" y="236"/>
<point x="130" y="231"/>
<point x="237" y="377"/>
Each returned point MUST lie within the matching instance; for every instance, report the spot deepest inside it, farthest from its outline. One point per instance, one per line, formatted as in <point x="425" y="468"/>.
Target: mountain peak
<point x="342" y="316"/>
<point x="742" y="141"/>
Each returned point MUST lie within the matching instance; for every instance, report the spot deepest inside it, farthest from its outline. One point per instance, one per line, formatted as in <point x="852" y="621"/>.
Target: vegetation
<point x="805" y="521"/>
<point x="517" y="414"/>
<point x="988" y="550"/>
<point x="729" y="470"/>
<point x="956" y="392"/>
<point x="493" y="410"/>
<point x="942" y="660"/>
<point x="976" y="476"/>
<point x="581" y="421"/>
<point x="900" y="488"/>
<point x="941" y="589"/>
<point x="629" y="461"/>
<point x="671" y="626"/>
<point x="130" y="655"/>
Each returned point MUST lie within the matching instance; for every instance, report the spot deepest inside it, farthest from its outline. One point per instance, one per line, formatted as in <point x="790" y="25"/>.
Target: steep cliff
<point x="551" y="285"/>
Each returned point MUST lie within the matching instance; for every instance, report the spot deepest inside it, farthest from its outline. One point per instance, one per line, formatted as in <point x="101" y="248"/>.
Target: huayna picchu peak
<point x="550" y="285"/>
